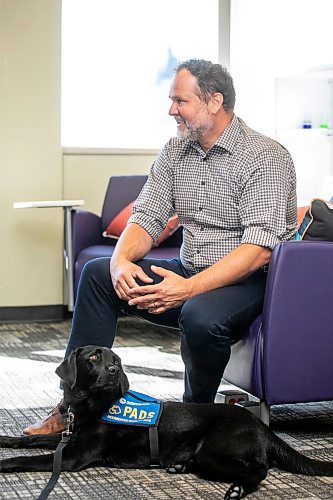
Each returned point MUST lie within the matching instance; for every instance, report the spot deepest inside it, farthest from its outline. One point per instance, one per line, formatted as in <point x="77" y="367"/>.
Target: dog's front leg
<point x="37" y="463"/>
<point x="47" y="442"/>
<point x="42" y="463"/>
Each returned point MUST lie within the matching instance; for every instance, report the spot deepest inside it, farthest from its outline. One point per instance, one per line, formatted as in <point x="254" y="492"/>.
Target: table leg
<point x="68" y="255"/>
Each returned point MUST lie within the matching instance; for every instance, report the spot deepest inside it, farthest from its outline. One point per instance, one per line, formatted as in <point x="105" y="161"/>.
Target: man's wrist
<point x="194" y="287"/>
<point x="116" y="263"/>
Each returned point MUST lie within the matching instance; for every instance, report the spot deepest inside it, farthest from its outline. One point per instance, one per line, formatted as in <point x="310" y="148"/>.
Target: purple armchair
<point x="287" y="354"/>
<point x="87" y="228"/>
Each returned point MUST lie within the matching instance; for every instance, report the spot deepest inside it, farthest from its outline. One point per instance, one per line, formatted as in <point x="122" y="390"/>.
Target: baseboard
<point x="33" y="313"/>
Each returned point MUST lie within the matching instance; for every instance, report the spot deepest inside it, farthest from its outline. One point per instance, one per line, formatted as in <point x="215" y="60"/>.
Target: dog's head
<point x="94" y="369"/>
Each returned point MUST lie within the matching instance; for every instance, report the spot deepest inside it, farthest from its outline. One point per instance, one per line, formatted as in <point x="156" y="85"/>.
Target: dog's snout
<point x="112" y="369"/>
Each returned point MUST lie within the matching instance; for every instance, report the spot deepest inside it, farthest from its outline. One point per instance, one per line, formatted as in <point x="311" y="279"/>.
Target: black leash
<point x="66" y="435"/>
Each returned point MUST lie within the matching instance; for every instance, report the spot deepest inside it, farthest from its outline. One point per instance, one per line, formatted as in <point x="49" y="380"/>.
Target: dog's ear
<point x="67" y="370"/>
<point x="124" y="384"/>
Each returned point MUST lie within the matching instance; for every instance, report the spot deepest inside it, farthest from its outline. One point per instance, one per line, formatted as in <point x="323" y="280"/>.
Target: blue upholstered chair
<point x="287" y="354"/>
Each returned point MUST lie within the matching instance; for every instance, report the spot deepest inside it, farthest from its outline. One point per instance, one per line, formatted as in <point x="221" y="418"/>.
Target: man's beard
<point x="195" y="130"/>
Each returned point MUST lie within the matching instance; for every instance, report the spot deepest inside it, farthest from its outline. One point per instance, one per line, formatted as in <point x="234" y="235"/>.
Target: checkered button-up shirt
<point x="243" y="190"/>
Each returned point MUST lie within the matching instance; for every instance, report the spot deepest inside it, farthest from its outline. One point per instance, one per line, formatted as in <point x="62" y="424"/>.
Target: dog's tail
<point x="290" y="460"/>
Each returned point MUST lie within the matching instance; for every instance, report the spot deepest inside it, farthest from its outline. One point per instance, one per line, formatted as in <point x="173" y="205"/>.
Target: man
<point x="234" y="191"/>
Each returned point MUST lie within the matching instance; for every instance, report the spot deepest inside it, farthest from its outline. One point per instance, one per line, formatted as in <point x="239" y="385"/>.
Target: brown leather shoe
<point x="54" y="423"/>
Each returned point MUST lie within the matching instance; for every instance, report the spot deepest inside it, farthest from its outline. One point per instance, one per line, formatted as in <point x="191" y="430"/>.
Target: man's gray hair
<point x="211" y="78"/>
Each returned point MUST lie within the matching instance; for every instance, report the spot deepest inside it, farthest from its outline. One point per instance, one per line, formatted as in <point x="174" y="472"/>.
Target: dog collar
<point x="134" y="408"/>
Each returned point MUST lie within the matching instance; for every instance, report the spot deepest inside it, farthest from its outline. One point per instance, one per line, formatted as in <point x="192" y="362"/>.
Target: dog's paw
<point x="177" y="468"/>
<point x="234" y="492"/>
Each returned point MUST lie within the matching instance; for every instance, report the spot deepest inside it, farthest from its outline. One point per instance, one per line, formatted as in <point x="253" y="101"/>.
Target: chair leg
<point x="259" y="408"/>
<point x="264" y="412"/>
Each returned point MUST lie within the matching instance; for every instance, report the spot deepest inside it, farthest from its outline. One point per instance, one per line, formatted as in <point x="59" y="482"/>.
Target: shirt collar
<point x="229" y="138"/>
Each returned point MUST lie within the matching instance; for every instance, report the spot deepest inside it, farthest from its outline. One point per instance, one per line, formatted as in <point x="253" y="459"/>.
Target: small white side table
<point x="67" y="206"/>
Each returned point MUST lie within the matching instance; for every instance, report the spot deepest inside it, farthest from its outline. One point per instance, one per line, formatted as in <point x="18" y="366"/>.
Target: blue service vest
<point x="134" y="408"/>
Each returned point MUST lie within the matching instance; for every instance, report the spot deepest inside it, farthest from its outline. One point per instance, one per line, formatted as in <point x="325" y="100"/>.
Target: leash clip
<point x="65" y="435"/>
<point x="70" y="423"/>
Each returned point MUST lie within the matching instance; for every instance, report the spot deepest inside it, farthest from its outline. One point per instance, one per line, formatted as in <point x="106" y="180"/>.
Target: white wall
<point x="86" y="176"/>
<point x="30" y="153"/>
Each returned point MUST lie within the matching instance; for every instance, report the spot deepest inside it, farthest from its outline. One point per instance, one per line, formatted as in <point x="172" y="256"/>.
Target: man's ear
<point x="67" y="370"/>
<point x="216" y="102"/>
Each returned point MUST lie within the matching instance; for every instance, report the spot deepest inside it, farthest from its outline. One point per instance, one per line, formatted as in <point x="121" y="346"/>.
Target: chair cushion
<point x="317" y="223"/>
<point x="301" y="211"/>
<point x="118" y="224"/>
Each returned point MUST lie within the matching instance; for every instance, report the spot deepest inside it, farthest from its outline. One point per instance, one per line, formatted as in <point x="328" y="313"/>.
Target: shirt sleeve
<point x="155" y="205"/>
<point x="268" y="201"/>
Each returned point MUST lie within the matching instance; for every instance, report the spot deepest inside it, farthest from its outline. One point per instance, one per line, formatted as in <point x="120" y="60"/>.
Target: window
<point x="117" y="63"/>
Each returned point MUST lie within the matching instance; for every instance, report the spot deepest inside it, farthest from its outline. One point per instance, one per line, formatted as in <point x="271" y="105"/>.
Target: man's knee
<point x="200" y="328"/>
<point x="97" y="271"/>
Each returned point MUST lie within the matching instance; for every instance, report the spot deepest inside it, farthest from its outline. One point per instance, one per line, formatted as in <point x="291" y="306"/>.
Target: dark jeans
<point x="208" y="322"/>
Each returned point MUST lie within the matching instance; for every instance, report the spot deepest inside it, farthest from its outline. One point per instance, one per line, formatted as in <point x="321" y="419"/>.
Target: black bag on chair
<point x="317" y="223"/>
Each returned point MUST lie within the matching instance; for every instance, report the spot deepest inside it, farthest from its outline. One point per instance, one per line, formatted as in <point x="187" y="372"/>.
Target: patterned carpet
<point x="29" y="388"/>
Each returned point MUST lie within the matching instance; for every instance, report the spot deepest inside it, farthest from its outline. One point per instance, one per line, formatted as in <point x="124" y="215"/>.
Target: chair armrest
<point x="86" y="230"/>
<point x="297" y="327"/>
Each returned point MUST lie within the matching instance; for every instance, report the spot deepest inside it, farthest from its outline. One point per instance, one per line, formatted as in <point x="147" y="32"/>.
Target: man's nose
<point x="173" y="111"/>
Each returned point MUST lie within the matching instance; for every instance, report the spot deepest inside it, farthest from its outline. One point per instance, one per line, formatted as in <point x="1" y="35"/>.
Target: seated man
<point x="234" y="191"/>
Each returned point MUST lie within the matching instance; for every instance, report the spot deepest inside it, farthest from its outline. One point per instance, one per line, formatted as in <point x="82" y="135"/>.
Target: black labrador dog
<point x="219" y="442"/>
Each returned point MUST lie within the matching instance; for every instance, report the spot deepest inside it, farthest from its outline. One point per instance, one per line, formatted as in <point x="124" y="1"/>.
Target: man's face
<point x="190" y="112"/>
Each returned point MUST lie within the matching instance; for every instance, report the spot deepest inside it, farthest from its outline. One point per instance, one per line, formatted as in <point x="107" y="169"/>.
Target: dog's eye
<point x="93" y="357"/>
<point x="116" y="362"/>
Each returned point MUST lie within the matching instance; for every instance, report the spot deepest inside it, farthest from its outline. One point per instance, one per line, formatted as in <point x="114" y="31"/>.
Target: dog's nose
<point x="112" y="369"/>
